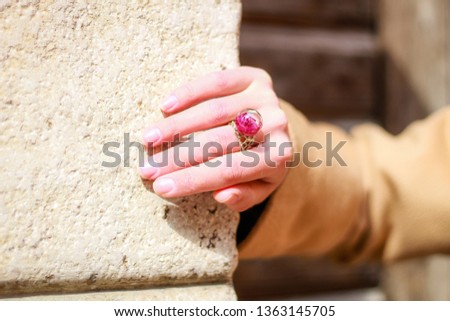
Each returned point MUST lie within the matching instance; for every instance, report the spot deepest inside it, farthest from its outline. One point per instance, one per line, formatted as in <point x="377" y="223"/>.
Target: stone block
<point x="76" y="75"/>
<point x="201" y="292"/>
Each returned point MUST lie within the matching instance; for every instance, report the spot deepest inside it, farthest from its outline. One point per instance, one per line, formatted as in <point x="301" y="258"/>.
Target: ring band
<point x="246" y="125"/>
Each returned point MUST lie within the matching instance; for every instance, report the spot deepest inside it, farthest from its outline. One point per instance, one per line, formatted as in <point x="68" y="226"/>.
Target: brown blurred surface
<point x="311" y="13"/>
<point x="322" y="55"/>
<point x="288" y="277"/>
<point x="327" y="74"/>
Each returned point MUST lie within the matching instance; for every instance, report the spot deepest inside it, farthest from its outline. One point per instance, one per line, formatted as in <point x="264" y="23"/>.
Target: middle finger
<point x="211" y="113"/>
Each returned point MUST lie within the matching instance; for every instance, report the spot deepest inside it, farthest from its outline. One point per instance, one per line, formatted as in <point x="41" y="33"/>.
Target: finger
<point x="243" y="196"/>
<point x="200" y="148"/>
<point x="227" y="170"/>
<point x="205" y="146"/>
<point x="216" y="84"/>
<point x="206" y="115"/>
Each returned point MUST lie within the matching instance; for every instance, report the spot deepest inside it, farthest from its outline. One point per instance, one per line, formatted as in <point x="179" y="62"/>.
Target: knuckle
<point x="221" y="139"/>
<point x="232" y="174"/>
<point x="218" y="111"/>
<point x="287" y="156"/>
<point x="214" y="146"/>
<point x="191" y="156"/>
<point x="288" y="153"/>
<point x="187" y="91"/>
<point x="264" y="77"/>
<point x="271" y="98"/>
<point x="280" y="119"/>
<point x="266" y="96"/>
<point x="172" y="125"/>
<point x="189" y="183"/>
<point x="260" y="75"/>
<point x="283" y="155"/>
<point x="220" y="80"/>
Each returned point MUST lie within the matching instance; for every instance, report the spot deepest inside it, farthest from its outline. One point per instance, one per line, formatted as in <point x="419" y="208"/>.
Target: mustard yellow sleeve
<point x="390" y="200"/>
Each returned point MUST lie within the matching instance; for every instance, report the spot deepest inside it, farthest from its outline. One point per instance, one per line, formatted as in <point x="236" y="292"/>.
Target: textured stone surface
<point x="74" y="76"/>
<point x="212" y="292"/>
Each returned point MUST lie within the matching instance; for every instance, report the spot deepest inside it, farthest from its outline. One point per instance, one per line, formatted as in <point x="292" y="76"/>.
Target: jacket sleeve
<point x="373" y="197"/>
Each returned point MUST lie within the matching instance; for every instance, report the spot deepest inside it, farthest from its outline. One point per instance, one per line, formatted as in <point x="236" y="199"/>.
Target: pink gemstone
<point x="248" y="122"/>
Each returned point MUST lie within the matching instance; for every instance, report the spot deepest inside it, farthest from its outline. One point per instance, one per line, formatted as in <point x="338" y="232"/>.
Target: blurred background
<point x="349" y="62"/>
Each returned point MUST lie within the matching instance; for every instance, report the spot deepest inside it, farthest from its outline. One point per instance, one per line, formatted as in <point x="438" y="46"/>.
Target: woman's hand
<point x="215" y="162"/>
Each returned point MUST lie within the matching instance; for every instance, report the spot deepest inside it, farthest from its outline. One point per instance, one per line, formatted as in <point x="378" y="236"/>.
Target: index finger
<point x="213" y="85"/>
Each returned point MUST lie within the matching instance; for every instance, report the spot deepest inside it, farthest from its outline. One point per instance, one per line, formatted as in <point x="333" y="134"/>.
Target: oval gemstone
<point x="248" y="122"/>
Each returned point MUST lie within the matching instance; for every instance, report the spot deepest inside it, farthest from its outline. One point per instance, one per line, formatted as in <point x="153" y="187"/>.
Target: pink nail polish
<point x="148" y="171"/>
<point x="227" y="197"/>
<point x="163" y="186"/>
<point x="169" y="103"/>
<point x="153" y="135"/>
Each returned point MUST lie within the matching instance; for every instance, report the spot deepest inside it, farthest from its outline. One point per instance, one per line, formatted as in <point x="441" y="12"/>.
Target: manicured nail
<point x="227" y="197"/>
<point x="153" y="135"/>
<point x="148" y="171"/>
<point x="163" y="186"/>
<point x="169" y="103"/>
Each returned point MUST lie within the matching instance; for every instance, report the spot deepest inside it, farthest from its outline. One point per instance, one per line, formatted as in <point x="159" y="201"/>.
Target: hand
<point x="206" y="106"/>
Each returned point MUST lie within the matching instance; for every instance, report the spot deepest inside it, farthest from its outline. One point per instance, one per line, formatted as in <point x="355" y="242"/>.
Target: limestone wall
<point x="75" y="75"/>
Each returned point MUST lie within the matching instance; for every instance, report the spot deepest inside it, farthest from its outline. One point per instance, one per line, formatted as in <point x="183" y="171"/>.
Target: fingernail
<point x="227" y="197"/>
<point x="163" y="186"/>
<point x="153" y="135"/>
<point x="169" y="103"/>
<point x="148" y="171"/>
